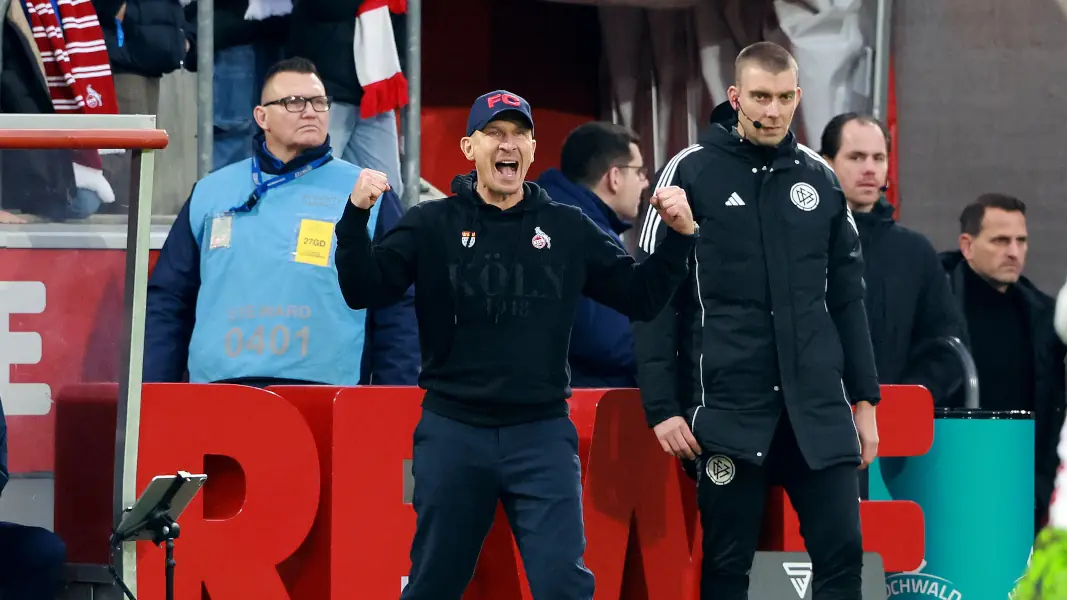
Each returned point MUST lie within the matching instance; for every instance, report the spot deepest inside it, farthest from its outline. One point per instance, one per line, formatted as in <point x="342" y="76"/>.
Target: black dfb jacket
<point x="496" y="292"/>
<point x="772" y="313"/>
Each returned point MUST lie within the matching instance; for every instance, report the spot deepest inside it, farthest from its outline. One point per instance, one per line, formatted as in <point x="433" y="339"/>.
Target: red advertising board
<point x="305" y="493"/>
<point x="60" y="324"/>
<point x="63" y="311"/>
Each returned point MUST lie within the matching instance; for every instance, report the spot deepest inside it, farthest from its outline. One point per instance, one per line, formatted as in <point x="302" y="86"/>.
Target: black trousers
<point x="462" y="472"/>
<point x="730" y="495"/>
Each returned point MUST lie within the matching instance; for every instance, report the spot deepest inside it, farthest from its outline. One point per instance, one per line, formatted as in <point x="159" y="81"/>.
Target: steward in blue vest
<point x="245" y="291"/>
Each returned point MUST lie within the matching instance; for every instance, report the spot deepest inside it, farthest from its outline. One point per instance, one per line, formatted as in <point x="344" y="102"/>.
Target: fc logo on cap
<point x="509" y="99"/>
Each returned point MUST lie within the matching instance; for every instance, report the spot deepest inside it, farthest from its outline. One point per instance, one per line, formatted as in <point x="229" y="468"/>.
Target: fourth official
<point x="756" y="366"/>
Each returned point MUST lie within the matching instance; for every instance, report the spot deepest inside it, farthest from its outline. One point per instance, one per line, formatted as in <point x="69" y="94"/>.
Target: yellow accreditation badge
<point x="314" y="243"/>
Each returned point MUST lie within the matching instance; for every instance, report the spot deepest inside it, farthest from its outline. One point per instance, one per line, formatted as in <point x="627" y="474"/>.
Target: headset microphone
<point x="755" y="123"/>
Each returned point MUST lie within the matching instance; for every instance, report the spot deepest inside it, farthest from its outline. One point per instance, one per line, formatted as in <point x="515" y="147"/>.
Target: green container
<point x="975" y="487"/>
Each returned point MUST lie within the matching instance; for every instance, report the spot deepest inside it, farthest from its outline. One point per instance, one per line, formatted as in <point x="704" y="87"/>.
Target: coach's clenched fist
<point x="369" y="187"/>
<point x="673" y="208"/>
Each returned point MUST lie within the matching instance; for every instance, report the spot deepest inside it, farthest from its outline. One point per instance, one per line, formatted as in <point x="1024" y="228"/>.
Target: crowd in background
<point x="109" y="56"/>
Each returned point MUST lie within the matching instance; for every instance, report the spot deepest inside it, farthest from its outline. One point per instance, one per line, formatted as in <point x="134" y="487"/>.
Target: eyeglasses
<point x="295" y="104"/>
<point x="642" y="171"/>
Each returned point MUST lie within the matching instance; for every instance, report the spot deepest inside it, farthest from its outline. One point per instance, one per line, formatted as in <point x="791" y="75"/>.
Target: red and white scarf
<point x="75" y="58"/>
<point x="377" y="61"/>
<point x="78" y="73"/>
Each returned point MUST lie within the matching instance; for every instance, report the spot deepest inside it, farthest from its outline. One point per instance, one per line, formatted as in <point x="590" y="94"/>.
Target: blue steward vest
<point x="269" y="303"/>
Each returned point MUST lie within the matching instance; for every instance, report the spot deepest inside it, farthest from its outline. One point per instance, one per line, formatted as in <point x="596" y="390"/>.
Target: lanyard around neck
<point x="262" y="187"/>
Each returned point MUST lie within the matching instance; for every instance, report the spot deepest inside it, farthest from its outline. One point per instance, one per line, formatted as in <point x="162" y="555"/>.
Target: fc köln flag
<point x="377" y="59"/>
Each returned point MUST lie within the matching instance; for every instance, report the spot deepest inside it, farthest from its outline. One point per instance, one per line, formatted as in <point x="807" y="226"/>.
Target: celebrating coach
<point x="758" y="362"/>
<point x="499" y="270"/>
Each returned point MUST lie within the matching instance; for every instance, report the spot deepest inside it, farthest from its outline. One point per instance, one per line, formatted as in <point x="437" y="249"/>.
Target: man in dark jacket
<point x="1010" y="323"/>
<point x="146" y="39"/>
<point x="499" y="269"/>
<point x="762" y="357"/>
<point x="363" y="126"/>
<point x="602" y="174"/>
<point x="910" y="309"/>
<point x="31" y="558"/>
<point x="249" y="37"/>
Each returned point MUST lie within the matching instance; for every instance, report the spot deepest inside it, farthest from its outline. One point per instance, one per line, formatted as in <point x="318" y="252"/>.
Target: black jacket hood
<point x="722" y="133"/>
<point x="723" y="114"/>
<point x="725" y="136"/>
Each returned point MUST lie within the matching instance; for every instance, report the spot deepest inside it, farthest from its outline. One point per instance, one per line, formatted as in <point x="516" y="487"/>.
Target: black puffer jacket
<point x="909" y="306"/>
<point x="232" y="29"/>
<point x="773" y="317"/>
<point x="153" y="36"/>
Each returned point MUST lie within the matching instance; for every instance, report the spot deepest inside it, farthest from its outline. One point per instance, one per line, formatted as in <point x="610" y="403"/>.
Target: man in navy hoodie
<point x="602" y="174"/>
<point x="499" y="270"/>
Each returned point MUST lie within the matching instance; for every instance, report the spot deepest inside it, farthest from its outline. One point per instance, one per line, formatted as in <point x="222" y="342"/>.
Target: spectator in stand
<point x="362" y="75"/>
<point x="1010" y="324"/>
<point x="603" y="174"/>
<point x="31" y="558"/>
<point x="146" y="39"/>
<point x="910" y="308"/>
<point x="245" y="289"/>
<point x="54" y="184"/>
<point x="249" y="37"/>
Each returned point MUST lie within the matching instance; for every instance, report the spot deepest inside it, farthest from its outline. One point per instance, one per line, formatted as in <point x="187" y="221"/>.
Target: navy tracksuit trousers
<point x="461" y="473"/>
<point x="31" y="562"/>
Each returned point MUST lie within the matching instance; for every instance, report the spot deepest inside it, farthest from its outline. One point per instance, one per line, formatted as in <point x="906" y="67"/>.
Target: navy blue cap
<point x="489" y="107"/>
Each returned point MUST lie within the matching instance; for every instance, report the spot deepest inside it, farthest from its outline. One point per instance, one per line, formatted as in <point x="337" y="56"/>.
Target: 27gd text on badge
<point x="278" y="340"/>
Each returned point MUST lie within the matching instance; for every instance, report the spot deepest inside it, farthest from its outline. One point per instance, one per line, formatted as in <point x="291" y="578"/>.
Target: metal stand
<point x="164" y="531"/>
<point x="153" y="519"/>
